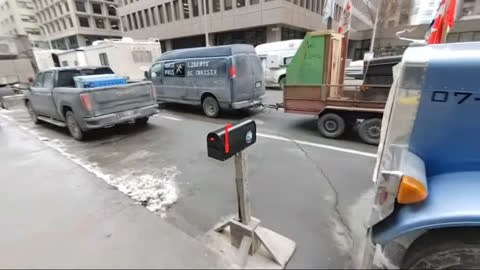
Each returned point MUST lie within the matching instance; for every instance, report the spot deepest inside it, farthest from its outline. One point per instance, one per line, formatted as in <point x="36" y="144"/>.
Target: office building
<point x="68" y="24"/>
<point x="17" y="17"/>
<point x="183" y="23"/>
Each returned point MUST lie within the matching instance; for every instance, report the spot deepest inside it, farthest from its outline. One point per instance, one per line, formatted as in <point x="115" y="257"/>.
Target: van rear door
<point x="248" y="81"/>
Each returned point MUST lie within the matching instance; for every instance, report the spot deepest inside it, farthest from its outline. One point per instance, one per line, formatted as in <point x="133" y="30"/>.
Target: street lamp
<point x="119" y="18"/>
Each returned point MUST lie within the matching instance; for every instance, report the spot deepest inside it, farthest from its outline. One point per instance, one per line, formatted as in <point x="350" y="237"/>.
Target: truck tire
<point x="457" y="248"/>
<point x="32" y="113"/>
<point x="73" y="127"/>
<point x="210" y="107"/>
<point x="141" y="122"/>
<point x="331" y="125"/>
<point x="369" y="130"/>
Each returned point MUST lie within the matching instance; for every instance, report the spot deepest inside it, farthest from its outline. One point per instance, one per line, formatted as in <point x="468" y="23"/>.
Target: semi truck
<point x="425" y="211"/>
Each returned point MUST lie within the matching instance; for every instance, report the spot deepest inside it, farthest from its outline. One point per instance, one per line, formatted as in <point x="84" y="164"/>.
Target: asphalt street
<point x="311" y="189"/>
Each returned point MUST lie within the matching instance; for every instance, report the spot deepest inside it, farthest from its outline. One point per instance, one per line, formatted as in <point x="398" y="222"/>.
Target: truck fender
<point x="452" y="202"/>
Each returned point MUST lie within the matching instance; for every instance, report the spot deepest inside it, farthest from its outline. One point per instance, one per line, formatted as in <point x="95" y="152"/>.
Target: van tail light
<point x="154" y="92"/>
<point x="86" y="101"/>
<point x="411" y="191"/>
<point x="233" y="72"/>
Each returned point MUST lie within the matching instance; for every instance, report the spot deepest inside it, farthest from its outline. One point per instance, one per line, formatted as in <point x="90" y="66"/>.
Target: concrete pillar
<point x="168" y="45"/>
<point x="274" y="33"/>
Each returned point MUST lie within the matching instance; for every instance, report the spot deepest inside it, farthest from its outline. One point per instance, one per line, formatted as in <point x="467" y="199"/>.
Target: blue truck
<point x="426" y="211"/>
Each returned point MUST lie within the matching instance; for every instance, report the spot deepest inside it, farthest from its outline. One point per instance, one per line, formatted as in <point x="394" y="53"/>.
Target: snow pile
<point x="157" y="193"/>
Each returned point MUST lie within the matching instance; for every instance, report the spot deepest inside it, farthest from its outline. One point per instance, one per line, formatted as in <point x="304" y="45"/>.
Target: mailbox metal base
<point x="248" y="239"/>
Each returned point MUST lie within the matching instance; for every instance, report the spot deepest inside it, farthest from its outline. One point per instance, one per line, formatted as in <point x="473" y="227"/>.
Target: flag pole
<point x="443" y="38"/>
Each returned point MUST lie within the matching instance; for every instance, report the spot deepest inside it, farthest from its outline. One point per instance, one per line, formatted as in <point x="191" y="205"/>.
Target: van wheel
<point x="444" y="249"/>
<point x="331" y="125"/>
<point x="32" y="113"/>
<point x="210" y="107"/>
<point x="370" y="129"/>
<point x="141" y="122"/>
<point x="73" y="126"/>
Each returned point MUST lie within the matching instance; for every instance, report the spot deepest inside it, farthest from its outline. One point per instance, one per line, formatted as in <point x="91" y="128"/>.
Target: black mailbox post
<point x="225" y="142"/>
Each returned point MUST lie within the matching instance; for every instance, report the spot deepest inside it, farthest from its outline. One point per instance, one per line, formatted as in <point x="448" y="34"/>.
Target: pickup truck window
<point x="48" y="79"/>
<point x="65" y="77"/>
<point x="38" y="80"/>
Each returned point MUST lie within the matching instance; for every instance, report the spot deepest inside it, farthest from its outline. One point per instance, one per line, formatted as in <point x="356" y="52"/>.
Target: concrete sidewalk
<point x="54" y="214"/>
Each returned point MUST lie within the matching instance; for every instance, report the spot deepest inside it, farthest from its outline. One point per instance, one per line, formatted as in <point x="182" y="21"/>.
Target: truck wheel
<point x="452" y="249"/>
<point x="331" y="125"/>
<point x="32" y="113"/>
<point x="210" y="107"/>
<point x="370" y="129"/>
<point x="73" y="126"/>
<point x="141" y="122"/>
<point x="282" y="83"/>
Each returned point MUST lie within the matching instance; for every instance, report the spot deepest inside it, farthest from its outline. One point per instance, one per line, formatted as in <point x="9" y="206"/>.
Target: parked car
<point x="275" y="56"/>
<point x="54" y="98"/>
<point x="219" y="77"/>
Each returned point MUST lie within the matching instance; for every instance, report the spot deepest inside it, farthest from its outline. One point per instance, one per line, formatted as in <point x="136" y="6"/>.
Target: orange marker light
<point x="411" y="191"/>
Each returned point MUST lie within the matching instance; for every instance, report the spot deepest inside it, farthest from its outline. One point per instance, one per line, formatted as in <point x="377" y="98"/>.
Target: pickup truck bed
<point x="53" y="98"/>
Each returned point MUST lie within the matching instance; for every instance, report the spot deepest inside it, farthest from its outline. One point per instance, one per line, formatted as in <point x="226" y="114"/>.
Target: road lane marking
<point x="171" y="118"/>
<point x="324" y="146"/>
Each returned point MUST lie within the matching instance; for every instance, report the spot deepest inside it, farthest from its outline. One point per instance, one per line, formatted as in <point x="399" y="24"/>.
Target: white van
<point x="275" y="57"/>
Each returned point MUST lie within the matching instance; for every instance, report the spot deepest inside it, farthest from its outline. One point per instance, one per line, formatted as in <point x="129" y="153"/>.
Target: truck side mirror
<point x="146" y="73"/>
<point x="225" y="142"/>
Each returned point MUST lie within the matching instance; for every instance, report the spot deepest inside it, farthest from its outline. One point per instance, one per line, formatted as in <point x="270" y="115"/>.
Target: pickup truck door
<point x="43" y="101"/>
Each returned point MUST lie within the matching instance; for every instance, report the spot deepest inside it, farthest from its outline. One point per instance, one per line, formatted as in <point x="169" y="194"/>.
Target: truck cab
<point x="426" y="210"/>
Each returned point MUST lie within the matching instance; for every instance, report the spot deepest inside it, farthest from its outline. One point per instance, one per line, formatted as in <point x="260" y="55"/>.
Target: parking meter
<point x="225" y="142"/>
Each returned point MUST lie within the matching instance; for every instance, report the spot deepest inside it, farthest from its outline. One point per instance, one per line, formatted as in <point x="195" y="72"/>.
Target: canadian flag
<point x="346" y="18"/>
<point x="445" y="15"/>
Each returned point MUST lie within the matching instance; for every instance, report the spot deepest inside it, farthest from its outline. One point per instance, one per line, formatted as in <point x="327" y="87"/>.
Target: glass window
<point x="54" y="11"/>
<point x="147" y="17"/>
<point x="83" y="22"/>
<point x="60" y="8"/>
<point x="154" y="16"/>
<point x="96" y="8"/>
<point x="207" y="7"/>
<point x="103" y="59"/>
<point x="100" y="23"/>
<point x="48" y="79"/>
<point x="67" y="8"/>
<point x="240" y="3"/>
<point x="140" y="18"/>
<point x="161" y="17"/>
<point x="186" y="11"/>
<point x="134" y="18"/>
<point x="129" y="22"/>
<point x="168" y="9"/>
<point x="466" y="36"/>
<point x="64" y="24"/>
<point x="111" y="11"/>
<point x="156" y="70"/>
<point x="216" y="5"/>
<point x="65" y="78"/>
<point x="228" y="4"/>
<point x="79" y="5"/>
<point x="114" y="25"/>
<point x="176" y="10"/>
<point x="195" y="8"/>
<point x="70" y="21"/>
<point x="476" y="36"/>
<point x="412" y="77"/>
<point x="254" y="2"/>
<point x="38" y="80"/>
<point x="73" y="42"/>
<point x="307" y="4"/>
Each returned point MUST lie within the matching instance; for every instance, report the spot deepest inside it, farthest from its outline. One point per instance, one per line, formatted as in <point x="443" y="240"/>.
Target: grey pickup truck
<point x="53" y="98"/>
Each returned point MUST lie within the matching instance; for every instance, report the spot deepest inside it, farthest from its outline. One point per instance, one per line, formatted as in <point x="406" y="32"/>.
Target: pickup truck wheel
<point x="141" y="122"/>
<point x="370" y="129"/>
<point x="210" y="107"/>
<point x="73" y="126"/>
<point x="331" y="125"/>
<point x="445" y="249"/>
<point x="32" y="113"/>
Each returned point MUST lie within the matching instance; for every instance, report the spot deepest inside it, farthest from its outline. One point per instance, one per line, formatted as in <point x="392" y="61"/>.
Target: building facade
<point x="17" y="17"/>
<point x="69" y="24"/>
<point x="183" y="23"/>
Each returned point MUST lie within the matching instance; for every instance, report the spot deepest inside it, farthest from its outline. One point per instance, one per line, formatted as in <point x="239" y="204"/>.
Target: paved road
<point x="309" y="188"/>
